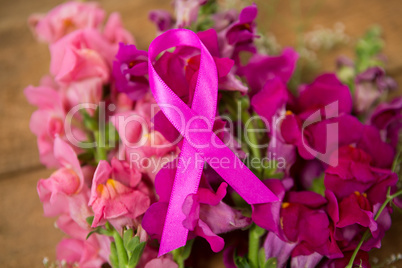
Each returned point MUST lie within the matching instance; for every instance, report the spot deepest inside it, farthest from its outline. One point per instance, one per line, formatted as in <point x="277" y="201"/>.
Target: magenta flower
<point x="361" y="260"/>
<point x="261" y="68"/>
<point x="300" y="220"/>
<point x="356" y="173"/>
<point x="66" y="18"/>
<point x="382" y="153"/>
<point x="333" y="103"/>
<point x="239" y="35"/>
<point x="271" y="99"/>
<point x="355" y="191"/>
<point x="387" y="117"/>
<point x="243" y="30"/>
<point x="117" y="194"/>
<point x="206" y="214"/>
<point x="351" y="216"/>
<point x="130" y="70"/>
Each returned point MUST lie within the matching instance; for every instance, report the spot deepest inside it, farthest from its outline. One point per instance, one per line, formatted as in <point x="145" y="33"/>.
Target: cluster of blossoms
<point x="336" y="137"/>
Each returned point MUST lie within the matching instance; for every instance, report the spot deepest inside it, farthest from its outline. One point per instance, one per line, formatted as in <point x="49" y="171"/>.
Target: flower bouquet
<point x="206" y="133"/>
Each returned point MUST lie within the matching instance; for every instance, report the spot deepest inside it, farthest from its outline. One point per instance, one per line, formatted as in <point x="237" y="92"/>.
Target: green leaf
<point x="90" y="219"/>
<point x="135" y="257"/>
<point x="318" y="186"/>
<point x="127" y="237"/>
<point x="271" y="263"/>
<point x="113" y="255"/>
<point x="132" y="244"/>
<point x="241" y="262"/>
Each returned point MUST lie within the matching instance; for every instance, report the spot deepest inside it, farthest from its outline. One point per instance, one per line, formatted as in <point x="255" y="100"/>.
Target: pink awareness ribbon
<point x="196" y="144"/>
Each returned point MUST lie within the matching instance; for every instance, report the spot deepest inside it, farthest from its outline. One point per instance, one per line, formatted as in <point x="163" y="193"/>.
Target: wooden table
<point x="25" y="236"/>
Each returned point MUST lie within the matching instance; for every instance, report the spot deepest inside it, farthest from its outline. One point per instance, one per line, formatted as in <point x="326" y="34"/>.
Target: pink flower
<point x="47" y="122"/>
<point x="84" y="253"/>
<point x="86" y="91"/>
<point x="117" y="194"/>
<point x="161" y="262"/>
<point x="187" y="11"/>
<point x="81" y="54"/>
<point x="66" y="18"/>
<point x="64" y="192"/>
<point x="115" y="32"/>
<point x="145" y="148"/>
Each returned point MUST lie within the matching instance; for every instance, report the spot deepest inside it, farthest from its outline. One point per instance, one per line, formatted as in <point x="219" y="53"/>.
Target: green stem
<point x="254" y="244"/>
<point x="366" y="234"/>
<point x="121" y="250"/>
<point x="245" y="116"/>
<point x="100" y="149"/>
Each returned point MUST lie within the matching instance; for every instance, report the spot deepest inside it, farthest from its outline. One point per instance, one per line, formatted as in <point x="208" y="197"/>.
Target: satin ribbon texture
<point x="197" y="144"/>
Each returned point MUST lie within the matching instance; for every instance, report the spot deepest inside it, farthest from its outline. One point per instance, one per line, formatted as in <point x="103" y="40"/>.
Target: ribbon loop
<point x="196" y="143"/>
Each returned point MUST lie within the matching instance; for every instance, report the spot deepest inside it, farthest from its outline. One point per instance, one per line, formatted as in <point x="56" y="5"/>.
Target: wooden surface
<point x="25" y="236"/>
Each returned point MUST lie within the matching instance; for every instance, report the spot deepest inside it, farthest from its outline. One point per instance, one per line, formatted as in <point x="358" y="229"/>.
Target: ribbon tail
<point x="186" y="182"/>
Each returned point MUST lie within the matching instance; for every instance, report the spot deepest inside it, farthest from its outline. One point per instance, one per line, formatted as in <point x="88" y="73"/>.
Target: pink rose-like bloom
<point x="82" y="54"/>
<point x="117" y="195"/>
<point x="66" y="18"/>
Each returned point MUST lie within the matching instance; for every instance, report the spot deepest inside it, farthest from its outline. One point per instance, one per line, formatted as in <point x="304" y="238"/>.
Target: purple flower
<point x="206" y="214"/>
<point x="275" y="247"/>
<point x="162" y="19"/>
<point x="306" y="261"/>
<point x="370" y="86"/>
<point x="130" y="70"/>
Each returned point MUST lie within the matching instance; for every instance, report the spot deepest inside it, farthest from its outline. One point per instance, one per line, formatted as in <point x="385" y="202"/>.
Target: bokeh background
<point x="26" y="237"/>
